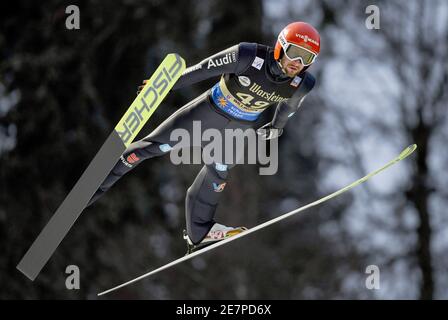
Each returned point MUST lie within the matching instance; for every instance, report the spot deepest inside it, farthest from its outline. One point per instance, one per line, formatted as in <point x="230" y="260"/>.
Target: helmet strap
<point x="280" y="66"/>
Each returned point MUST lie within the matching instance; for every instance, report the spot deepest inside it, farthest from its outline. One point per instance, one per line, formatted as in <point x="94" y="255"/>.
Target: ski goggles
<point x="295" y="52"/>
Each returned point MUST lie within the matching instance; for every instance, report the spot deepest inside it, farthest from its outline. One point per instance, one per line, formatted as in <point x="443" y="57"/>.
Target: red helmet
<point x="299" y="41"/>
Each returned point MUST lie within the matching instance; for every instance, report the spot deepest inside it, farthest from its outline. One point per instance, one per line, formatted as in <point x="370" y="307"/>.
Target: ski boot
<point x="217" y="233"/>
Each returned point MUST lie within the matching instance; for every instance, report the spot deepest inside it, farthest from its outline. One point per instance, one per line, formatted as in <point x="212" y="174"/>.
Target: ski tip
<point x="174" y="54"/>
<point x="177" y="57"/>
<point x="408" y="151"/>
<point x="105" y="292"/>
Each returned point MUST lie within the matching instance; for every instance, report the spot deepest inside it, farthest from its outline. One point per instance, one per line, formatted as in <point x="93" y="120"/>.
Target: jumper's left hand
<point x="140" y="88"/>
<point x="268" y="132"/>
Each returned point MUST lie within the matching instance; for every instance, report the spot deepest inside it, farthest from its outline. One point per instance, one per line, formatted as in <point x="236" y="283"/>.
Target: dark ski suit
<point x="251" y="81"/>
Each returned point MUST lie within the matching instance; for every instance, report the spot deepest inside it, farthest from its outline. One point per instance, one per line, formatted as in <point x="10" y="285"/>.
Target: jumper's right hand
<point x="140" y="88"/>
<point x="268" y="132"/>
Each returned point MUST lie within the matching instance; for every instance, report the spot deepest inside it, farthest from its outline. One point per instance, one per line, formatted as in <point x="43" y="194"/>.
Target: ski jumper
<point x="251" y="81"/>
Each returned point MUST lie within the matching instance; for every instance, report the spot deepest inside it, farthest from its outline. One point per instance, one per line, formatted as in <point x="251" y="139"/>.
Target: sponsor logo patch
<point x="258" y="63"/>
<point x="245" y="81"/>
<point x="305" y="38"/>
<point x="228" y="58"/>
<point x="132" y="158"/>
<point x="165" y="147"/>
<point x="269" y="96"/>
<point x="296" y="81"/>
<point x="127" y="164"/>
<point x="221" y="167"/>
<point x="219" y="187"/>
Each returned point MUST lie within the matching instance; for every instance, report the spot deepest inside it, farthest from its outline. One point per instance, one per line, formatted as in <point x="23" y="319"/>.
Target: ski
<point x="141" y="109"/>
<point x="405" y="153"/>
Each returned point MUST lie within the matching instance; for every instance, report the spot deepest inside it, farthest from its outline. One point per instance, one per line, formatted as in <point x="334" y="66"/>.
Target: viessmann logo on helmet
<point x="306" y="39"/>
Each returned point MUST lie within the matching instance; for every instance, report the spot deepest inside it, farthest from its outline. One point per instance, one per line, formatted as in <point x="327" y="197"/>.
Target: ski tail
<point x="125" y="131"/>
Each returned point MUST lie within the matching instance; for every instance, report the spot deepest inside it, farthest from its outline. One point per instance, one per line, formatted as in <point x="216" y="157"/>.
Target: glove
<point x="140" y="88"/>
<point x="268" y="132"/>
